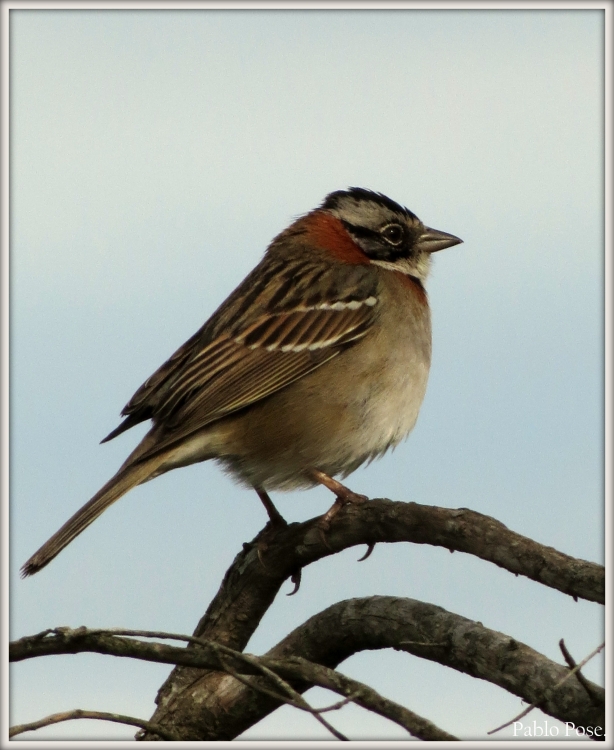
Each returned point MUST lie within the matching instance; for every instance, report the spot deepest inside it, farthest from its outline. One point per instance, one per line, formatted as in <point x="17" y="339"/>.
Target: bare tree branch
<point x="249" y="587"/>
<point x="291" y="697"/>
<point x="305" y="655"/>
<point x="201" y="701"/>
<point x="79" y="713"/>
<point x="574" y="671"/>
<point x="215" y="709"/>
<point x="579" y="676"/>
<point x="66" y="640"/>
<point x="363" y="695"/>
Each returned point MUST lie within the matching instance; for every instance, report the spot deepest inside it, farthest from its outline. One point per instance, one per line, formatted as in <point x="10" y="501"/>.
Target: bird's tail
<point x="126" y="478"/>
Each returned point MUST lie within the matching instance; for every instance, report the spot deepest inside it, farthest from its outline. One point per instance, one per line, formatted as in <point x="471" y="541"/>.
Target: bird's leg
<point x="274" y="515"/>
<point x="276" y="521"/>
<point x="344" y="495"/>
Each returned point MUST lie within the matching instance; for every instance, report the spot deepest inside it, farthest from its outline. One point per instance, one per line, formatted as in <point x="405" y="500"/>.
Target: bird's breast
<point x="394" y="363"/>
<point x="348" y="411"/>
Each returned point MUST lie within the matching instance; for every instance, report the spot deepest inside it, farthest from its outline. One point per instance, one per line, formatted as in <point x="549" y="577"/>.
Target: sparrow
<point x="316" y="363"/>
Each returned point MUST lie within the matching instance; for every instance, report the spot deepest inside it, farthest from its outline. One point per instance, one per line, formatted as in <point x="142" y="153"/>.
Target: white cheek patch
<point x="419" y="267"/>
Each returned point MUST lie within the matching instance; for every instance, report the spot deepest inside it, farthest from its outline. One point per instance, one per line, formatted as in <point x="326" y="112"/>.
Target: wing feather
<point x="247" y="351"/>
<point x="262" y="373"/>
<point x="251" y="372"/>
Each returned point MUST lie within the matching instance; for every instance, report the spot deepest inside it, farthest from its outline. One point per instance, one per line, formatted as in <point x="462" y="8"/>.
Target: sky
<point x="154" y="155"/>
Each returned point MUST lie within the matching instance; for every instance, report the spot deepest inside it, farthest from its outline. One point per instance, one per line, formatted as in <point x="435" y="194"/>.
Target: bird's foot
<point x="344" y="495"/>
<point x="276" y="523"/>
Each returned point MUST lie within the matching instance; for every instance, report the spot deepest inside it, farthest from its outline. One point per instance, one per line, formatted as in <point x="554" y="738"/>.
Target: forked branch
<point x="201" y="701"/>
<point x="308" y="655"/>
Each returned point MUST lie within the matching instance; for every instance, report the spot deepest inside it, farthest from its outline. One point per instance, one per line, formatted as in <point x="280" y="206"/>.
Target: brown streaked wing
<point x="143" y="395"/>
<point x="145" y="400"/>
<point x="259" y="374"/>
<point x="246" y="297"/>
<point x="269" y="355"/>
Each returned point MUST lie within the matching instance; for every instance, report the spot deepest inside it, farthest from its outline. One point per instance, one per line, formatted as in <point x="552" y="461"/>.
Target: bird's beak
<point x="432" y="240"/>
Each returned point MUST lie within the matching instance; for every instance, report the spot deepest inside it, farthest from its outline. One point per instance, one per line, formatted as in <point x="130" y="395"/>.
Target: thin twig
<point x="579" y="676"/>
<point x="299" y="701"/>
<point x="79" y="713"/>
<point x="339" y="704"/>
<point x="152" y="634"/>
<point x="302" y="670"/>
<point x="257" y="686"/>
<point x="296" y="696"/>
<point x="572" y="672"/>
<point x="364" y="696"/>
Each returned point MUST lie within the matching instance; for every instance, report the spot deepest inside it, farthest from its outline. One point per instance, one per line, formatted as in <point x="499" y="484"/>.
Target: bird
<point x="317" y="363"/>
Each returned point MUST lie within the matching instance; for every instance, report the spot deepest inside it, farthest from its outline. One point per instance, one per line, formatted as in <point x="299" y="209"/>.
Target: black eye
<point x="393" y="233"/>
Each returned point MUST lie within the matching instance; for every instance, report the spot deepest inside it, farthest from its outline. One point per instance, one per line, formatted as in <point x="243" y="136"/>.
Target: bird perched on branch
<point x="316" y="363"/>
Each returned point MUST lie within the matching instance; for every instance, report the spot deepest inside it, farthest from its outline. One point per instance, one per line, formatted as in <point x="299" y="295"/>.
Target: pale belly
<point x="351" y="410"/>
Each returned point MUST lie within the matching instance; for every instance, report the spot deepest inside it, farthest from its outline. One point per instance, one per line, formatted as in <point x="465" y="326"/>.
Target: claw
<point x="370" y="548"/>
<point x="322" y="526"/>
<point x="296" y="580"/>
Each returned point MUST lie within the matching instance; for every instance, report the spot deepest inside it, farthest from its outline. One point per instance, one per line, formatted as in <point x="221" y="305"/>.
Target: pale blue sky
<point x="153" y="157"/>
